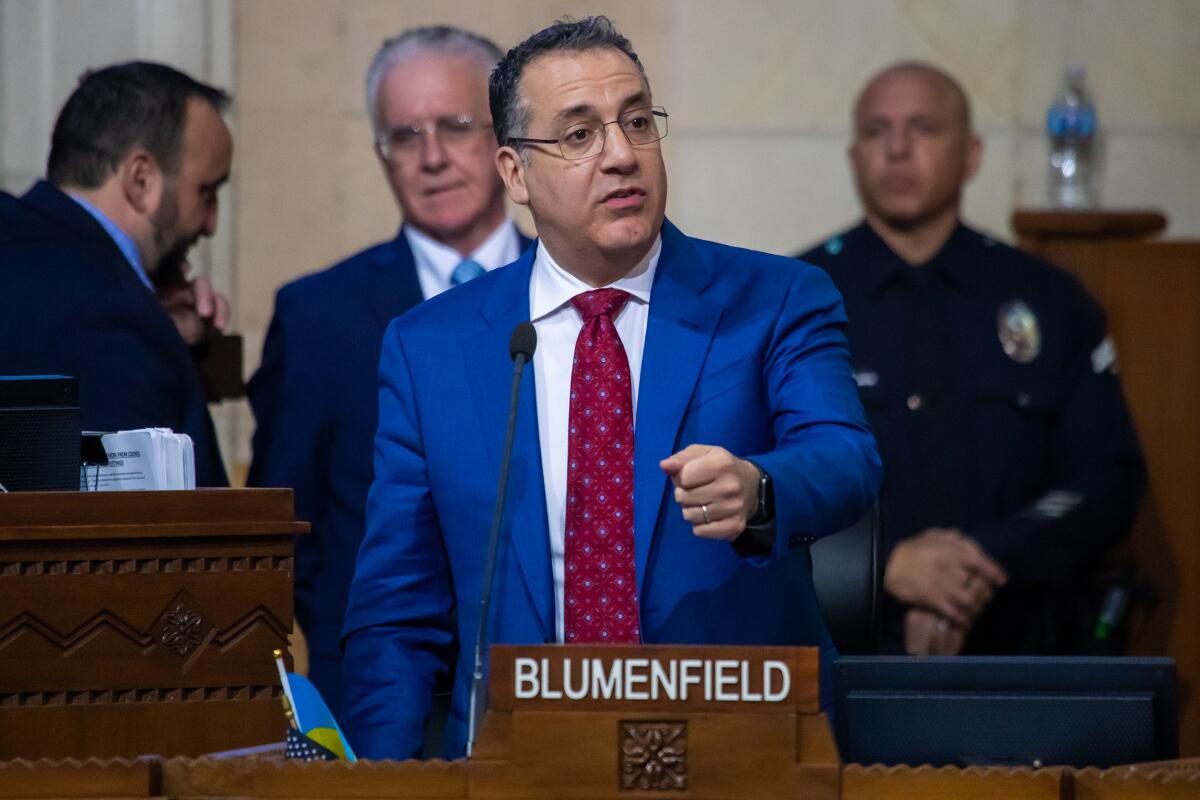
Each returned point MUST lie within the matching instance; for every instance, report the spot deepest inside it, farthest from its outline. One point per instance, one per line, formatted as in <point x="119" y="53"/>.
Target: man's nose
<point x="433" y="152"/>
<point x="617" y="153"/>
<point x="898" y="143"/>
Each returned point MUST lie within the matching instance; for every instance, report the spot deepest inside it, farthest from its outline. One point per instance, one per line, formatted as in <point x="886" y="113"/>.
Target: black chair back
<point x="846" y="576"/>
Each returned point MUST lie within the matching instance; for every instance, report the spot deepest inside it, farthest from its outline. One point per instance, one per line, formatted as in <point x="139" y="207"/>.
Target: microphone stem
<point x="489" y="570"/>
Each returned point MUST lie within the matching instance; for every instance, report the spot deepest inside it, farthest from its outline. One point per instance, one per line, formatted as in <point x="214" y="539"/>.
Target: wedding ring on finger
<point x="704" y="511"/>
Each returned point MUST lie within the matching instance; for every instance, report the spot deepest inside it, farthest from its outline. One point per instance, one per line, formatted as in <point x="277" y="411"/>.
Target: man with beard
<point x="92" y="260"/>
<point x="1010" y="459"/>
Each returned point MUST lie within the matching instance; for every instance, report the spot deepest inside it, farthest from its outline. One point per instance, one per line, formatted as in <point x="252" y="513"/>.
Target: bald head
<point x="939" y="82"/>
<point x="913" y="147"/>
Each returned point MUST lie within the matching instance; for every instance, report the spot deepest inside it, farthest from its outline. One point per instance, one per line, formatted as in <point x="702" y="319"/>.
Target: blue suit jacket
<point x="71" y="304"/>
<point x="315" y="400"/>
<point x="743" y="350"/>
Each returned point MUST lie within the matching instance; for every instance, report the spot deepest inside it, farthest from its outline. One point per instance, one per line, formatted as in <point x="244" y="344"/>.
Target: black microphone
<point x="522" y="344"/>
<point x="520" y="349"/>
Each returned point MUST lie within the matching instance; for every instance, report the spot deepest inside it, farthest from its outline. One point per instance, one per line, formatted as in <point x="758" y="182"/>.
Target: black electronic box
<point x="39" y="433"/>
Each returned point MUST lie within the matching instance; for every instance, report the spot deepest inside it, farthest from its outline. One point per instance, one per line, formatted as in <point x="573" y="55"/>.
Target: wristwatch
<point x="765" y="513"/>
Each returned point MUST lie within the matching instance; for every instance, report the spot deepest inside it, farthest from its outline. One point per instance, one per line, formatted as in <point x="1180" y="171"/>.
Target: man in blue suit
<point x="92" y="259"/>
<point x="315" y="396"/>
<point x="750" y="441"/>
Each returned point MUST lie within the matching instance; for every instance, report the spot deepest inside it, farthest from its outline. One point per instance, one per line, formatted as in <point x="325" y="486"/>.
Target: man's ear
<point x="141" y="181"/>
<point x="974" y="156"/>
<point x="512" y="172"/>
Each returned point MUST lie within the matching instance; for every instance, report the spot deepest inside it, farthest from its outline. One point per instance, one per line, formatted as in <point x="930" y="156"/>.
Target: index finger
<point x="202" y="291"/>
<point x="980" y="563"/>
<point x="223" y="313"/>
<point x="673" y="464"/>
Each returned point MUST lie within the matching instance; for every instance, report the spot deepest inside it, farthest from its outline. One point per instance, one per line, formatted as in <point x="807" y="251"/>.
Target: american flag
<point x="302" y="748"/>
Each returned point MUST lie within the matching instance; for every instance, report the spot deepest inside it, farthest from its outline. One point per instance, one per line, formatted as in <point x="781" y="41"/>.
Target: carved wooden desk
<point x="457" y="780"/>
<point x="142" y="622"/>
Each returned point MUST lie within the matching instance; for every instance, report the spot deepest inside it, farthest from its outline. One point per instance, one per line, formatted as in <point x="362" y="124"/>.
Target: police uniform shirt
<point x="992" y="389"/>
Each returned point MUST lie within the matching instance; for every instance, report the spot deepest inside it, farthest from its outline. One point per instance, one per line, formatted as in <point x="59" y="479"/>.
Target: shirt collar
<point x="552" y="286"/>
<point x="952" y="262"/>
<point x="121" y="239"/>
<point x="500" y="248"/>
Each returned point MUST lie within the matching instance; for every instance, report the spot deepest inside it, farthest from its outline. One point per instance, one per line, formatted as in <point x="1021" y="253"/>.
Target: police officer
<point x="1011" y="464"/>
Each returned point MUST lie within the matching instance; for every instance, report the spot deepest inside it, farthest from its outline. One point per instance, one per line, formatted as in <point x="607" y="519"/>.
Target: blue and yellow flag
<point x="310" y="714"/>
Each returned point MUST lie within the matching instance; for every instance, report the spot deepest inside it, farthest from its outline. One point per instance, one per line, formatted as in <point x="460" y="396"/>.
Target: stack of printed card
<point x="141" y="460"/>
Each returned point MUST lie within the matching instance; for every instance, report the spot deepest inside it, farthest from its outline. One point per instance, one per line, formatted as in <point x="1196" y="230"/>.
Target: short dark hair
<point x="118" y="108"/>
<point x="510" y="115"/>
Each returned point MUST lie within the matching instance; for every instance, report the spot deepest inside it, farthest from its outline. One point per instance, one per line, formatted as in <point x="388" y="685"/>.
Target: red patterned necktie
<point x="601" y="582"/>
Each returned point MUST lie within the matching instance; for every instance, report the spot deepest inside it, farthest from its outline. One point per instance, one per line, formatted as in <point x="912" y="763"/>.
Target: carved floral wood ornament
<point x="182" y="626"/>
<point x="182" y="630"/>
<point x="654" y="756"/>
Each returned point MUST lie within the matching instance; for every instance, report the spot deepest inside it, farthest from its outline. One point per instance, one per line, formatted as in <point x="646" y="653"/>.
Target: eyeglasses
<point x="584" y="140"/>
<point x="450" y="130"/>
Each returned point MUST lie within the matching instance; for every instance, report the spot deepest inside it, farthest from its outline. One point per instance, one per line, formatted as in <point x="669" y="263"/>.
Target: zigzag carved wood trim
<point x="225" y="639"/>
<point x="67" y="641"/>
<point x="191" y="694"/>
<point x="145" y="566"/>
<point x="261" y="614"/>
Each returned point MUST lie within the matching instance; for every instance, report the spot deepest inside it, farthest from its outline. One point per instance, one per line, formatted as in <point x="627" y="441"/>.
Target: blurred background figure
<point x="315" y="395"/>
<point x="1011" y="464"/>
<point x="93" y="273"/>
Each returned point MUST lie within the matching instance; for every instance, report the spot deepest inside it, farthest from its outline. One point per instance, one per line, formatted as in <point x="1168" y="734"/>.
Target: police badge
<point x="1020" y="335"/>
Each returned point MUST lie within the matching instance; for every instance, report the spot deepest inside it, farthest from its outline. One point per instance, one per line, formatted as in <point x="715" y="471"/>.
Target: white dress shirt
<point x="436" y="261"/>
<point x="558" y="323"/>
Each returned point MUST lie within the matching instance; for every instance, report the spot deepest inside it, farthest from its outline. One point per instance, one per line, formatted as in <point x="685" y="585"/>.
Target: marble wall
<point x="759" y="93"/>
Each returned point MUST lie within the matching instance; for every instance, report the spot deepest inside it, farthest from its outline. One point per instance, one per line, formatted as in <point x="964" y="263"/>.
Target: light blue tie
<point x="465" y="271"/>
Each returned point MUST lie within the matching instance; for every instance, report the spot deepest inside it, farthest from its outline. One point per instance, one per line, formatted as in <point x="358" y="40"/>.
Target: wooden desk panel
<point x="272" y="777"/>
<point x="944" y="783"/>
<point x="142" y="622"/>
<point x="113" y="778"/>
<point x="1162" y="781"/>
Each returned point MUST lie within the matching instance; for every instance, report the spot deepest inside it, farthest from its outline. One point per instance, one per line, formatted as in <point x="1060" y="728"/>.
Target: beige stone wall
<point x="758" y="91"/>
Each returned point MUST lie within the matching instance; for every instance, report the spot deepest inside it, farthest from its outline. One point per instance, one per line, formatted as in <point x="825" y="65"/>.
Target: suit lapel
<point x="678" y="333"/>
<point x="490" y="370"/>
<point x="394" y="285"/>
<point x="393" y="288"/>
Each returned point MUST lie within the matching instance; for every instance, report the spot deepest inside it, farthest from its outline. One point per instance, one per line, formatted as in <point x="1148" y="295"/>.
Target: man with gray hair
<point x="314" y="397"/>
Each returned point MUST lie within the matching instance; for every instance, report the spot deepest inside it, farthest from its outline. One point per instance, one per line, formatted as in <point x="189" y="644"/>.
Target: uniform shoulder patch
<point x="1104" y="357"/>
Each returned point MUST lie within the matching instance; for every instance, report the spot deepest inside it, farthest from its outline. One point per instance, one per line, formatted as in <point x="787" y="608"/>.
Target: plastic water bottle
<point x="1071" y="127"/>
